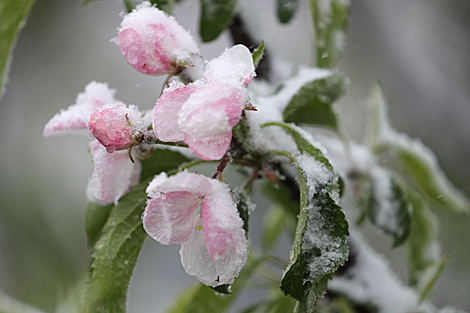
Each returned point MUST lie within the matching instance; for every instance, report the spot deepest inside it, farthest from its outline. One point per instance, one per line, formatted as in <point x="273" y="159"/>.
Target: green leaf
<point x="277" y="304"/>
<point x="321" y="239"/>
<point x="202" y="299"/>
<point x="215" y="17"/>
<point x="388" y="206"/>
<point x="420" y="165"/>
<point x="244" y="207"/>
<point x="96" y="216"/>
<point x="165" y="5"/>
<point x="286" y="10"/>
<point x="377" y="120"/>
<point x="257" y="54"/>
<point x="283" y="197"/>
<point x="161" y="160"/>
<point x="330" y="19"/>
<point x="115" y="254"/>
<point x="303" y="144"/>
<point x="425" y="263"/>
<point x="12" y="16"/>
<point x="313" y="104"/>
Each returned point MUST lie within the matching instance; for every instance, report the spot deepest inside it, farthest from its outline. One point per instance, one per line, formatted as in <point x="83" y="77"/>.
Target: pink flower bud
<point x="153" y="42"/>
<point x="115" y="126"/>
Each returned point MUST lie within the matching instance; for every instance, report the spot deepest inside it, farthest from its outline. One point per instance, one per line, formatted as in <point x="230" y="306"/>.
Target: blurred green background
<point x="419" y="50"/>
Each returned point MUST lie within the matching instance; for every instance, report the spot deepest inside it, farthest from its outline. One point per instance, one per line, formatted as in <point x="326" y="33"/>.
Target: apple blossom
<point x="199" y="213"/>
<point x="116" y="126"/>
<point x="113" y="173"/>
<point x="74" y="120"/>
<point x="153" y="42"/>
<point x="203" y="113"/>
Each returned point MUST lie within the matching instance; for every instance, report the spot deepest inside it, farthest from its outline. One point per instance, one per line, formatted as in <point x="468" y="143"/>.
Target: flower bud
<point x="153" y="42"/>
<point x="116" y="126"/>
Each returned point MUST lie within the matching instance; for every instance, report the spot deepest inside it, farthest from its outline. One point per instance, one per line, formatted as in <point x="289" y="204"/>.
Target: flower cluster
<point x="190" y="209"/>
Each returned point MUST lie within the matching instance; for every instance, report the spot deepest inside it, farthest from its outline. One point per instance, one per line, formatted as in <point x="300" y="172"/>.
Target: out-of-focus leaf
<point x="12" y="16"/>
<point x="96" y="216"/>
<point x="419" y="164"/>
<point x="330" y="19"/>
<point x="273" y="224"/>
<point x="115" y="254"/>
<point x="215" y="17"/>
<point x="276" y="304"/>
<point x="165" y="5"/>
<point x="313" y="104"/>
<point x="388" y="206"/>
<point x="425" y="264"/>
<point x="258" y="54"/>
<point x="202" y="299"/>
<point x="161" y="160"/>
<point x="286" y="10"/>
<point x="321" y="239"/>
<point x="282" y="196"/>
<point x="10" y="305"/>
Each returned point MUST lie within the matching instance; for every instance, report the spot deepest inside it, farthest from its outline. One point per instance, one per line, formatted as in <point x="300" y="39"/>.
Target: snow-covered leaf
<point x="161" y="160"/>
<point x="95" y="217"/>
<point x="421" y="166"/>
<point x="321" y="239"/>
<point x="388" y="206"/>
<point x="286" y="10"/>
<point x="418" y="162"/>
<point x="313" y="104"/>
<point x="244" y="207"/>
<point x="215" y="17"/>
<point x="258" y="54"/>
<point x="330" y="18"/>
<point x="202" y="299"/>
<point x="115" y="254"/>
<point x="12" y="16"/>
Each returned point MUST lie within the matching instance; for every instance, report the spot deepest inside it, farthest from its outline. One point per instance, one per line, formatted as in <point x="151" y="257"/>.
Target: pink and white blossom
<point x="204" y="113"/>
<point x="199" y="213"/>
<point x="113" y="173"/>
<point x="153" y="42"/>
<point x="74" y="119"/>
<point x="116" y="126"/>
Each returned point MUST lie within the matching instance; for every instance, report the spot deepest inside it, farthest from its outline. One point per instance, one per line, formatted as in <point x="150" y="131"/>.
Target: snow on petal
<point x="209" y="115"/>
<point x="223" y="232"/>
<point x="74" y="119"/>
<point x="211" y="148"/>
<point x="234" y="65"/>
<point x="196" y="259"/>
<point x="115" y="126"/>
<point x="165" y="115"/>
<point x="113" y="173"/>
<point x="183" y="181"/>
<point x="169" y="218"/>
<point x="153" y="42"/>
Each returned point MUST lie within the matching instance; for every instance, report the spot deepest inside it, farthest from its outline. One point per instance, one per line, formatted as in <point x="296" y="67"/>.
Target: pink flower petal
<point x="197" y="261"/>
<point x="234" y="65"/>
<point x="74" y="119"/>
<point x="212" y="148"/>
<point x="165" y="116"/>
<point x="223" y="232"/>
<point x="113" y="173"/>
<point x="169" y="218"/>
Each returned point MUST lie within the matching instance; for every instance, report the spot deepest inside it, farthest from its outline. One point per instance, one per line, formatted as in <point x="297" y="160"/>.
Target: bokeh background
<point x="419" y="50"/>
